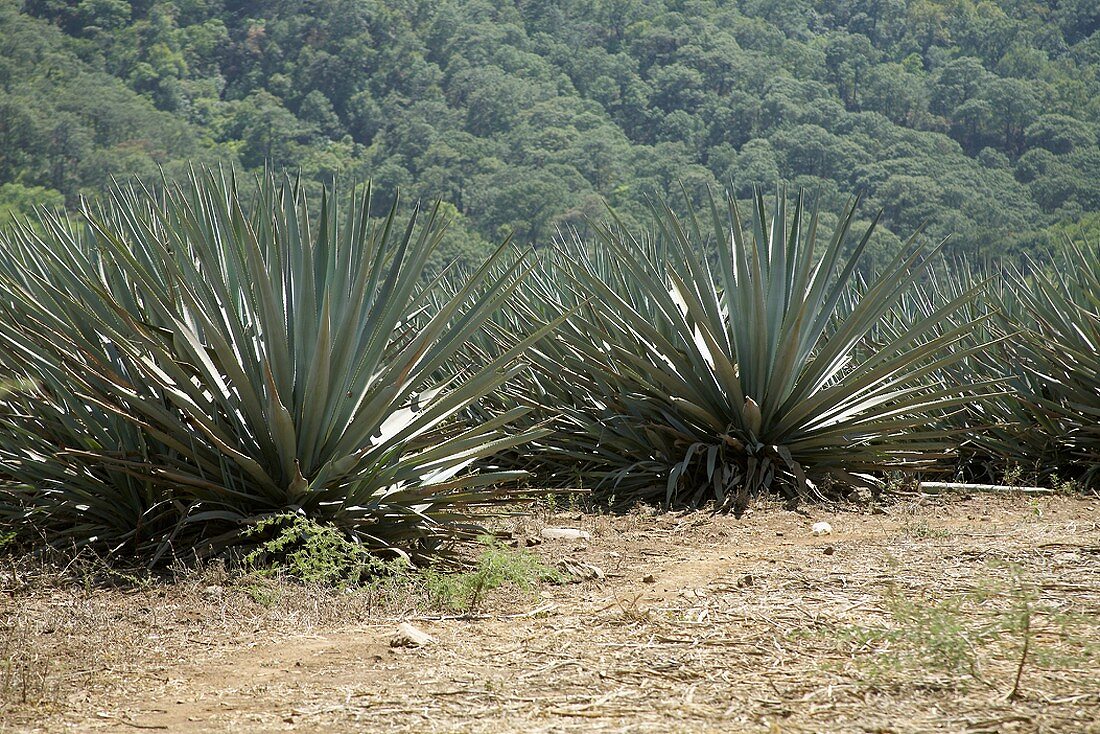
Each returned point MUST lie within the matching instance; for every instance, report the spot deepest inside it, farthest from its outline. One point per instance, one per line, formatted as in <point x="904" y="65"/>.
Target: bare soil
<point x="909" y="619"/>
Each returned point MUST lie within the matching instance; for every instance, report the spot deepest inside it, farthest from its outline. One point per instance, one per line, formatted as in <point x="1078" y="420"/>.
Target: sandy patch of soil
<point x="909" y="621"/>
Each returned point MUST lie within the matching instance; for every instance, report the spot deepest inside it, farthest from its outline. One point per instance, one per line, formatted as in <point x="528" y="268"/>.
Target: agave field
<point x="242" y="438"/>
<point x="182" y="365"/>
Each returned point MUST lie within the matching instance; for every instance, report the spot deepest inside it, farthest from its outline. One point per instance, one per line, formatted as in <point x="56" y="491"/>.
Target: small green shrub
<point x="265" y="595"/>
<point x="1013" y="475"/>
<point x="496" y="566"/>
<point x="299" y="548"/>
<point x="308" y="551"/>
<point x="921" y="530"/>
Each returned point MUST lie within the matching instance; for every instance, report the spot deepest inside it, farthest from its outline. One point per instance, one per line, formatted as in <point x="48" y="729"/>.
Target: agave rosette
<point x="721" y="361"/>
<point x="240" y="358"/>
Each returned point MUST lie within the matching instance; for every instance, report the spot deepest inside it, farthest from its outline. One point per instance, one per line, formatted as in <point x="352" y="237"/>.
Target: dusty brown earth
<point x="910" y="621"/>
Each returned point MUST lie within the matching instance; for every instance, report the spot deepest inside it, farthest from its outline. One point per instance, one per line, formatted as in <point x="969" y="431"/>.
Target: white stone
<point x="565" y="534"/>
<point x="822" y="528"/>
<point x="409" y="636"/>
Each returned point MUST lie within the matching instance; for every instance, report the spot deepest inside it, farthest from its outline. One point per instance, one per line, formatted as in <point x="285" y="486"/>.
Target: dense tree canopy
<point x="977" y="117"/>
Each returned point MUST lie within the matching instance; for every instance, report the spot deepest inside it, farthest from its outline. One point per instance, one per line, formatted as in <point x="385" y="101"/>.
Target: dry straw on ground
<point x="915" y="623"/>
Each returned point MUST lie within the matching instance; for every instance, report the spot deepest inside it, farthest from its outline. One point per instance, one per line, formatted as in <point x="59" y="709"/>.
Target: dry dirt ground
<point x="911" y="619"/>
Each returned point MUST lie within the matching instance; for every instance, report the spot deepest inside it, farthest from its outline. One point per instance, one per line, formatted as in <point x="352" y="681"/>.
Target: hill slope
<point x="980" y="118"/>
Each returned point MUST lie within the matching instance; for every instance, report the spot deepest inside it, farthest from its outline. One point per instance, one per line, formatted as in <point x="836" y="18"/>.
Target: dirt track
<point x="700" y="624"/>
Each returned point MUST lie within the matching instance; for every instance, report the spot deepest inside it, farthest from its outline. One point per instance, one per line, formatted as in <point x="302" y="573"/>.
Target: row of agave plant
<point x="181" y="364"/>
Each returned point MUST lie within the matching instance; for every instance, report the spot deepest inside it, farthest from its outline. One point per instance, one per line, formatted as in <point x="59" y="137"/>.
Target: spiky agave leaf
<point x="731" y="362"/>
<point x="1059" y="347"/>
<point x="561" y="391"/>
<point x="252" y="359"/>
<point x="981" y="422"/>
<point x="45" y="425"/>
<point x="1017" y="426"/>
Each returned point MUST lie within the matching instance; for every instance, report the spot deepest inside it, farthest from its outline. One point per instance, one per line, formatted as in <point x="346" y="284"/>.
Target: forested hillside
<point x="979" y="118"/>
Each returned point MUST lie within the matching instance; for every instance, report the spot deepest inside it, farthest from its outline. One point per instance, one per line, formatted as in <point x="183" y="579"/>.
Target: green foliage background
<point x="979" y="116"/>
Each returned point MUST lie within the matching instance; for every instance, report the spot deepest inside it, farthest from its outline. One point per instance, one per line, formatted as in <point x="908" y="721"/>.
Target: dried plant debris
<point x="989" y="622"/>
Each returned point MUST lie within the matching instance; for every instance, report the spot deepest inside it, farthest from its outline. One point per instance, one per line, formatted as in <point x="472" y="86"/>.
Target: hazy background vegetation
<point x="980" y="118"/>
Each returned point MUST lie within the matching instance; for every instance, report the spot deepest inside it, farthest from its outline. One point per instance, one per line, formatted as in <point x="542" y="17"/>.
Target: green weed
<point x="1013" y="475"/>
<point x="263" y="594"/>
<point x="304" y="550"/>
<point x="960" y="635"/>
<point x="1066" y="486"/>
<point x="921" y="530"/>
<point x="310" y="552"/>
<point x="496" y="566"/>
